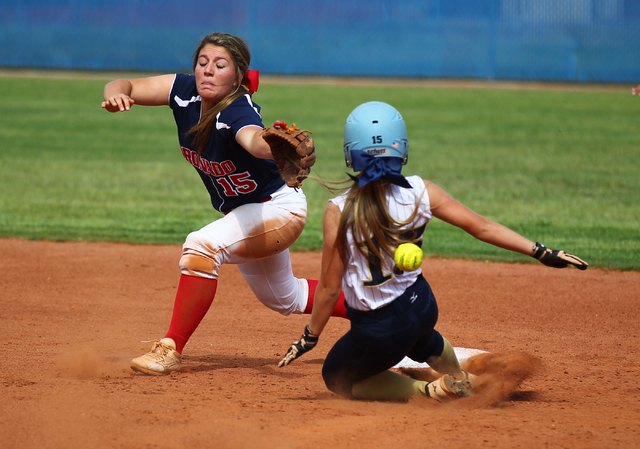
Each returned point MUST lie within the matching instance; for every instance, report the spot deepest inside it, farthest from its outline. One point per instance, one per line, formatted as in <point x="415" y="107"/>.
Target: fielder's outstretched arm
<point x="119" y="95"/>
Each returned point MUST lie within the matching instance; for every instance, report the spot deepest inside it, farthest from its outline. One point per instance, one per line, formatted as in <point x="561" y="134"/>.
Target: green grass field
<point x="560" y="167"/>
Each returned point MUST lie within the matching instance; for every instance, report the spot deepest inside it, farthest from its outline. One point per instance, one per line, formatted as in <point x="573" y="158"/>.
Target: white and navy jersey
<point x="368" y="287"/>
<point x="232" y="175"/>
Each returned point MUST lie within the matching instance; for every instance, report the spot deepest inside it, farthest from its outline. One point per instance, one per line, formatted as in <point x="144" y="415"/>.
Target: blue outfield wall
<point x="546" y="40"/>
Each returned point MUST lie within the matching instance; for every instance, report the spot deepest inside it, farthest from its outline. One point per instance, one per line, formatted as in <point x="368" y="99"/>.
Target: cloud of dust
<point x="499" y="375"/>
<point x="81" y="363"/>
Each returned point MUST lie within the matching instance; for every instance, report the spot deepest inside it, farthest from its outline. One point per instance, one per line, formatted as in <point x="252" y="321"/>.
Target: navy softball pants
<point x="379" y="339"/>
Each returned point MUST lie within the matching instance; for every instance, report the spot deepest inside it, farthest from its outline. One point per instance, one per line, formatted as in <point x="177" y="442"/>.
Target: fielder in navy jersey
<point x="393" y="313"/>
<point x="232" y="175"/>
<point x="220" y="134"/>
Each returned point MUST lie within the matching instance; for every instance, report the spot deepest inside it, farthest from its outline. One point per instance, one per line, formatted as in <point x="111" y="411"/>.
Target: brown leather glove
<point x="293" y="151"/>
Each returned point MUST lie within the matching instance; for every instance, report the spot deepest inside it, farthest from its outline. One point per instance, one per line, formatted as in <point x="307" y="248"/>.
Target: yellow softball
<point x="408" y="257"/>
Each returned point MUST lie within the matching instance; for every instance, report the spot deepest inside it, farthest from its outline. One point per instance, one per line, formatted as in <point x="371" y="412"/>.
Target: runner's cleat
<point x="448" y="388"/>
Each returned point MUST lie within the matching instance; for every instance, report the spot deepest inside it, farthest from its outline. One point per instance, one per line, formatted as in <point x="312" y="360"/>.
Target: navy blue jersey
<point x="232" y="175"/>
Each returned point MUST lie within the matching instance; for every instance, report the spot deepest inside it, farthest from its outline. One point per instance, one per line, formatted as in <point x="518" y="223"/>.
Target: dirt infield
<point x="74" y="314"/>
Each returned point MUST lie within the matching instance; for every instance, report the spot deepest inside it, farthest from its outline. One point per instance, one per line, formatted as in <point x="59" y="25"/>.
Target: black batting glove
<point x="306" y="343"/>
<point x="557" y="258"/>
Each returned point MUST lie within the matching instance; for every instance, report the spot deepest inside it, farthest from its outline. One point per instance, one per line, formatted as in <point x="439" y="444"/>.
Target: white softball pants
<point x="257" y="238"/>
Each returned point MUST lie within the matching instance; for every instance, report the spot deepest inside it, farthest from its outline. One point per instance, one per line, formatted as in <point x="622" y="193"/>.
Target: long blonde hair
<point x="238" y="49"/>
<point x="366" y="215"/>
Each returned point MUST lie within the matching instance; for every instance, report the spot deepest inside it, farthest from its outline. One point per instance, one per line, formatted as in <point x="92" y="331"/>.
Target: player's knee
<point x="338" y="384"/>
<point x="197" y="265"/>
<point x="278" y="290"/>
<point x="284" y="308"/>
<point x="198" y="259"/>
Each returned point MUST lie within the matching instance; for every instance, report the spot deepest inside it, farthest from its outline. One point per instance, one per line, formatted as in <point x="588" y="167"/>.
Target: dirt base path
<point x="74" y="314"/>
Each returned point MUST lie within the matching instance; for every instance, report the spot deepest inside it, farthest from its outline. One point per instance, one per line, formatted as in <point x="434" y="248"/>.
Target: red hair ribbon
<point x="251" y="81"/>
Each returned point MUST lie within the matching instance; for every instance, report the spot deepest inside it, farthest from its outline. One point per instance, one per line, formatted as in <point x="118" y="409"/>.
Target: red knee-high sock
<point x="340" y="310"/>
<point x="193" y="299"/>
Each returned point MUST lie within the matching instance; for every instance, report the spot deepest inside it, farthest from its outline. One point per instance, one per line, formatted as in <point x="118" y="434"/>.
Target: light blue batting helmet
<point x="378" y="129"/>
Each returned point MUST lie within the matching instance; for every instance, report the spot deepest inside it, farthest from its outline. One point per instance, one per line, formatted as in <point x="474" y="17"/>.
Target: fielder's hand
<point x="306" y="343"/>
<point x="118" y="103"/>
<point x="557" y="258"/>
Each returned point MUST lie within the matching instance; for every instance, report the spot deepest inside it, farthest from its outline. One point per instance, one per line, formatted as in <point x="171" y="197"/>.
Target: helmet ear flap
<point x="406" y="152"/>
<point x="347" y="155"/>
